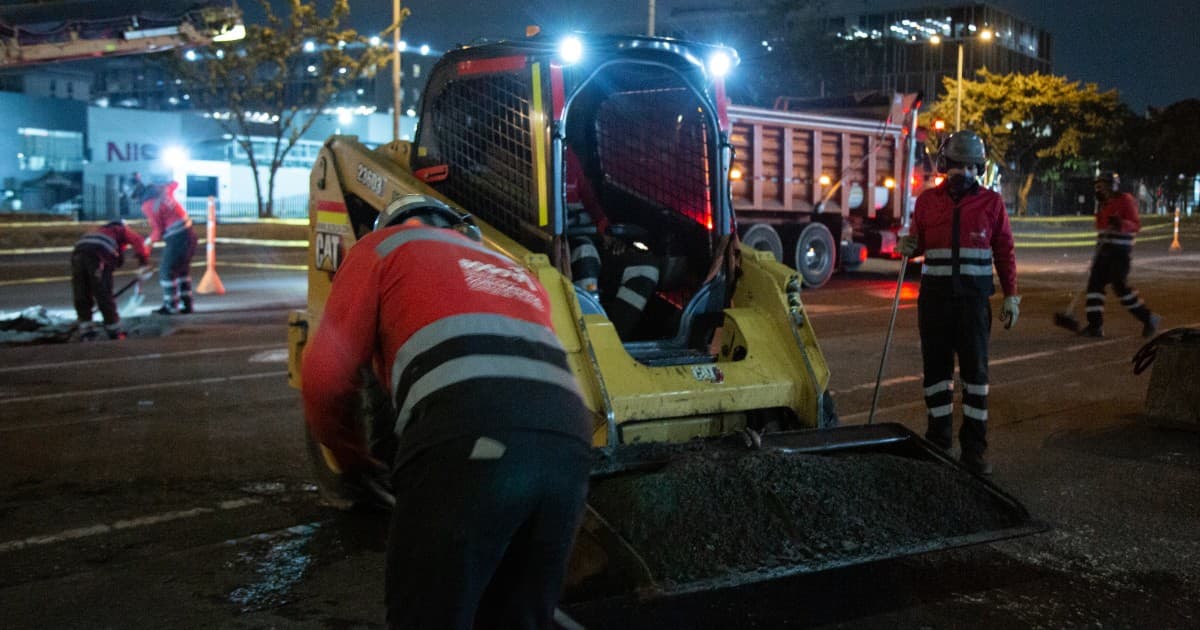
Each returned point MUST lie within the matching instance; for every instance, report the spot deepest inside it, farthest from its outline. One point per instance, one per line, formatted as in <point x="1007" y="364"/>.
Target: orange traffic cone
<point x="1175" y="246"/>
<point x="211" y="282"/>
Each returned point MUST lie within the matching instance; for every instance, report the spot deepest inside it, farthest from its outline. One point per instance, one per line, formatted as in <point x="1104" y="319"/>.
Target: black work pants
<point x="1111" y="267"/>
<point x="484" y="543"/>
<point x="92" y="282"/>
<point x="955" y="326"/>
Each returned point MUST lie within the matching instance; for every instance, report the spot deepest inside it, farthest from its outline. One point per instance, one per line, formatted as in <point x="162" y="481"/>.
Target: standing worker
<point x="1116" y="223"/>
<point x="93" y="260"/>
<point x="492" y="457"/>
<point x="962" y="228"/>
<point x="170" y="223"/>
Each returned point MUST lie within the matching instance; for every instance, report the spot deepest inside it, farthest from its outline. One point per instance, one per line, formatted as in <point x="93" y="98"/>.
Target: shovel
<point x="131" y="304"/>
<point x="1066" y="319"/>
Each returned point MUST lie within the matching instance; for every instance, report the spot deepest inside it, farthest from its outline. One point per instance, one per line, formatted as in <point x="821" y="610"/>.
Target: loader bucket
<point x="667" y="519"/>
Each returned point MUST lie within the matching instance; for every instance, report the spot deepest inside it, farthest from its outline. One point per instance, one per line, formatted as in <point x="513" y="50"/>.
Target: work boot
<point x="164" y="310"/>
<point x="88" y="332"/>
<point x="185" y="305"/>
<point x="1150" y="327"/>
<point x="115" y="333"/>
<point x="1092" y="331"/>
<point x="940" y="431"/>
<point x="976" y="463"/>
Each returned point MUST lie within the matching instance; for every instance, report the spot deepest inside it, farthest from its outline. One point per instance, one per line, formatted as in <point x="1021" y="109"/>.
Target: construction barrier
<point x="211" y="282"/>
<point x="1172" y="399"/>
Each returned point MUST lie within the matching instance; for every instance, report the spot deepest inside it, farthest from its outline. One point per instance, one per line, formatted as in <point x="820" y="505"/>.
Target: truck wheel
<point x="814" y="255"/>
<point x="852" y="256"/>
<point x="764" y="238"/>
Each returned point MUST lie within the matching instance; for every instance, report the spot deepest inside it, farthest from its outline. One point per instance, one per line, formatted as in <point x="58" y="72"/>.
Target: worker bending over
<point x="93" y="260"/>
<point x="492" y="460"/>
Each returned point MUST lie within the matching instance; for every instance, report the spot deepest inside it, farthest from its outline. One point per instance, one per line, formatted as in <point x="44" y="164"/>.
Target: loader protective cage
<point x="486" y="121"/>
<point x="484" y="134"/>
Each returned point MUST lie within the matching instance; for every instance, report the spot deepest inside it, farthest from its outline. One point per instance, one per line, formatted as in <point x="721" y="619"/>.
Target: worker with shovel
<point x="170" y="223"/>
<point x="962" y="228"/>
<point x="93" y="260"/>
<point x="1116" y="223"/>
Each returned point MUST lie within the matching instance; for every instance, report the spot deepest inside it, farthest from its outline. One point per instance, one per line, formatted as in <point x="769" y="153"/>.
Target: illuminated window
<point x="43" y="149"/>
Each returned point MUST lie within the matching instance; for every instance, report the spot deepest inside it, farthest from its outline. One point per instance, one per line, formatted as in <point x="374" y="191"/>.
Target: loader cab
<point x="624" y="148"/>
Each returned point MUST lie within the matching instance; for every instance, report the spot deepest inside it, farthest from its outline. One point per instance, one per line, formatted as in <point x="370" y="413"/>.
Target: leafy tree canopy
<point x="268" y="84"/>
<point x="1037" y="125"/>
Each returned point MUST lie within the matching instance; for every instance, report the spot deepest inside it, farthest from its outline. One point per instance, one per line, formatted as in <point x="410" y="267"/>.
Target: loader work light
<point x="719" y="63"/>
<point x="570" y="50"/>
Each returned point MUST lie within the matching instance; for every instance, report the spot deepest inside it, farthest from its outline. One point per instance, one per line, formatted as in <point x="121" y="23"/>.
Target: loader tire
<point x="336" y="488"/>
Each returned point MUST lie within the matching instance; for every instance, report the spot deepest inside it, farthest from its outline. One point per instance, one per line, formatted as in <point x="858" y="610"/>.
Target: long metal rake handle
<point x="887" y="343"/>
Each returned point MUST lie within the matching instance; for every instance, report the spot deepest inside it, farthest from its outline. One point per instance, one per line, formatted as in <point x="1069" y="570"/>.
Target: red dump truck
<point x="823" y="192"/>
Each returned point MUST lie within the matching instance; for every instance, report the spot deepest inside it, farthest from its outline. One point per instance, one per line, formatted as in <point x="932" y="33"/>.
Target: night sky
<point x="1148" y="50"/>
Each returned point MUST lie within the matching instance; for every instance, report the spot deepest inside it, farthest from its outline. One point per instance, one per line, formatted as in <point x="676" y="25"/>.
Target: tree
<point x="1038" y="125"/>
<point x="1165" y="150"/>
<point x="269" y="86"/>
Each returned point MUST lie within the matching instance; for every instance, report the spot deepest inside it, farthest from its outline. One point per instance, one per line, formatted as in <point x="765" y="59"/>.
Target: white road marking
<point x="132" y="523"/>
<point x="278" y="355"/>
<point x="145" y="386"/>
<point x="860" y="417"/>
<point x="899" y="380"/>
<point x="137" y="358"/>
<point x="62" y="423"/>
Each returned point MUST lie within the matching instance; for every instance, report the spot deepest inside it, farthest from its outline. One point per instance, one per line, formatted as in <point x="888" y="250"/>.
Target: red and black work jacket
<point x="1116" y="223"/>
<point x="461" y="334"/>
<point x="165" y="215"/>
<point x="962" y="240"/>
<point x="109" y="241"/>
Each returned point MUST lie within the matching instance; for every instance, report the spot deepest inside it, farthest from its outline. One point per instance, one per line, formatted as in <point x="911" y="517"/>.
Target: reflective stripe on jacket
<point x="165" y="215"/>
<point x="962" y="247"/>
<point x="1124" y="208"/>
<point x="108" y="242"/>
<point x="447" y="323"/>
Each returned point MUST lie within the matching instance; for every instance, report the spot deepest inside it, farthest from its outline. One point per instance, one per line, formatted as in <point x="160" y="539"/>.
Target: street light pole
<point x="650" y="27"/>
<point x="398" y="15"/>
<point x="958" y="100"/>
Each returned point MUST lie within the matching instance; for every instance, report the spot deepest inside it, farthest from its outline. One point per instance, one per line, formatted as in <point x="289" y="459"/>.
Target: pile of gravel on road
<point x="711" y="513"/>
<point x="35" y="325"/>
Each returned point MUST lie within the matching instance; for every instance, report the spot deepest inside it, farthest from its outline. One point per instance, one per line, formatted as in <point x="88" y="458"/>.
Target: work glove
<point x="1114" y="223"/>
<point x="149" y="243"/>
<point x="907" y="245"/>
<point x="1010" y="310"/>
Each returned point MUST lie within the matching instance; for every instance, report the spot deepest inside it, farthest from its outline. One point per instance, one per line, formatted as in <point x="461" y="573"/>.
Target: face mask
<point x="960" y="184"/>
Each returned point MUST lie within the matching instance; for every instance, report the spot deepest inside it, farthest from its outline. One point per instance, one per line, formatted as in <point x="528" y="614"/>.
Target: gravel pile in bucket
<point x="708" y="513"/>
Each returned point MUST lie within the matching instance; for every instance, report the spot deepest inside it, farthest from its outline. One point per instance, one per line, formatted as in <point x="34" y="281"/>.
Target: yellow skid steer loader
<point x="717" y="457"/>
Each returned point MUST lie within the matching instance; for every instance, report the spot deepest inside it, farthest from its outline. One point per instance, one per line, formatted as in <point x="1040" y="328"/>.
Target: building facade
<point x="67" y="156"/>
<point x="858" y="47"/>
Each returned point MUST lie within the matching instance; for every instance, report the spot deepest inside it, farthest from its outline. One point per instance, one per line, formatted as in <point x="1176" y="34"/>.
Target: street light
<point x="398" y="15"/>
<point x="984" y="35"/>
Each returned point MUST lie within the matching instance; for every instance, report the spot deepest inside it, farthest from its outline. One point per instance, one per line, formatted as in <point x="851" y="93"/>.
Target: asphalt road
<point x="161" y="481"/>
